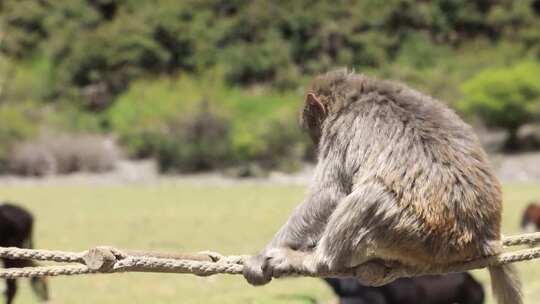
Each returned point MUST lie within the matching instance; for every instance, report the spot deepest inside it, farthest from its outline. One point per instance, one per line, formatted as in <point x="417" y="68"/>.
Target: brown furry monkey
<point x="401" y="180"/>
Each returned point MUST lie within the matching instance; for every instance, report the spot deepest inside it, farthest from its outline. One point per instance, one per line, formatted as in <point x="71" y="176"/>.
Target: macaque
<point x="530" y="221"/>
<point x="16" y="231"/>
<point x="400" y="181"/>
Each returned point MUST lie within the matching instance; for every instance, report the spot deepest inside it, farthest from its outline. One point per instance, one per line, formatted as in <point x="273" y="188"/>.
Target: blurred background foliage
<point x="211" y="84"/>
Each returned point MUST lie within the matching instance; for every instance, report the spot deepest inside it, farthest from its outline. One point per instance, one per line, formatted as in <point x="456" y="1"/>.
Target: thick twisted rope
<point x="112" y="260"/>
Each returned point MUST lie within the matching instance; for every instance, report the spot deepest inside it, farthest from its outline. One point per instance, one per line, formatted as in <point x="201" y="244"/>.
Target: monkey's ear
<point x="314" y="104"/>
<point x="313" y="116"/>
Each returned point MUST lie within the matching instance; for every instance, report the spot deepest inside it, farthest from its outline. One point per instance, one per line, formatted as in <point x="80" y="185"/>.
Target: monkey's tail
<point x="505" y="284"/>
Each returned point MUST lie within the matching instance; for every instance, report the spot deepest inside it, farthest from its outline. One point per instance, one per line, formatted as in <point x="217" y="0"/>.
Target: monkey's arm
<point x="308" y="220"/>
<point x="304" y="227"/>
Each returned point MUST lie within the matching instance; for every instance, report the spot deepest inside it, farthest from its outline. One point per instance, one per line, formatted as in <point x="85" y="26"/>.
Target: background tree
<point x="504" y="97"/>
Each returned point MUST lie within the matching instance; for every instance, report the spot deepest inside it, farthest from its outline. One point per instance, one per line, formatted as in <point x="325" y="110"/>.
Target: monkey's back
<point x="15" y="224"/>
<point x="430" y="160"/>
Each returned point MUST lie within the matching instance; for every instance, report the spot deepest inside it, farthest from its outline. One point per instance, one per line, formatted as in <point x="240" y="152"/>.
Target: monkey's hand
<point x="273" y="263"/>
<point x="256" y="271"/>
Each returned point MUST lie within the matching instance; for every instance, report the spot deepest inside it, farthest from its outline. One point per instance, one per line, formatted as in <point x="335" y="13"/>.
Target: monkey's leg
<point x="283" y="261"/>
<point x="11" y="290"/>
<point x="304" y="228"/>
<point x="354" y="235"/>
<point x="298" y="237"/>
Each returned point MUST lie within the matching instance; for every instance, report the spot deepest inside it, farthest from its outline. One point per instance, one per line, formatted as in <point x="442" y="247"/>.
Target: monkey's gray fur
<point x="401" y="180"/>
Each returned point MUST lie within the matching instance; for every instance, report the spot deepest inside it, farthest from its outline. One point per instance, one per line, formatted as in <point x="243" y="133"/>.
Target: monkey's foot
<point x="376" y="273"/>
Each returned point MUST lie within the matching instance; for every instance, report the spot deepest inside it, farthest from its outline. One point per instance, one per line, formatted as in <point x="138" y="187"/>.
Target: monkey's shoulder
<point x="394" y="108"/>
<point x="388" y="97"/>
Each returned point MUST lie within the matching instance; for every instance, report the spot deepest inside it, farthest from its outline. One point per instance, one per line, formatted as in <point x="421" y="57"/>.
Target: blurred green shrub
<point x="64" y="118"/>
<point x="143" y="112"/>
<point x="88" y="64"/>
<point x="29" y="80"/>
<point x="195" y="142"/>
<point x="265" y="131"/>
<point x="174" y="120"/>
<point x="504" y="97"/>
<point x="260" y="63"/>
<point x="107" y="44"/>
<point x="193" y="124"/>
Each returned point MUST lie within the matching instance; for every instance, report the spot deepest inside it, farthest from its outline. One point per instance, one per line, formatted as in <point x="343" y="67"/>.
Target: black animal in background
<point x="16" y="231"/>
<point x="456" y="288"/>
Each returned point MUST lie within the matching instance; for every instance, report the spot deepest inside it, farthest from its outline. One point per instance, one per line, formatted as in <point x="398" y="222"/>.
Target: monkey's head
<point x="328" y="93"/>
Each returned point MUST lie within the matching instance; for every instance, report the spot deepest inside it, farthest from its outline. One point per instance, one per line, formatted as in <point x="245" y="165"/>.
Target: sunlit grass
<point x="167" y="216"/>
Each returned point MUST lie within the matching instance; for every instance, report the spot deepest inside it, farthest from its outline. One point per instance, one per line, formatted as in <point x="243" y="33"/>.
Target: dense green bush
<point x="65" y="118"/>
<point x="195" y="142"/>
<point x="504" y="97"/>
<point x="250" y="63"/>
<point x="28" y="80"/>
<point x="176" y="120"/>
<point x="192" y="124"/>
<point x="107" y="44"/>
<point x="88" y="64"/>
<point x="148" y="107"/>
<point x="265" y="129"/>
<point x="440" y="70"/>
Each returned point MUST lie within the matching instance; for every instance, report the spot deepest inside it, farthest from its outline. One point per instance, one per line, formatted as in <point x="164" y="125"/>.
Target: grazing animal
<point x="16" y="231"/>
<point x="455" y="288"/>
<point x="401" y="181"/>
<point x="530" y="221"/>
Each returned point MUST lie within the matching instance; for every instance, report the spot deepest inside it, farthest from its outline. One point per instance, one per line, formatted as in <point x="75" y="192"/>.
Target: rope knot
<point x="102" y="258"/>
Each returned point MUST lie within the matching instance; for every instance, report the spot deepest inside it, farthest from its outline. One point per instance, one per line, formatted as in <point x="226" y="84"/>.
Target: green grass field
<point x="174" y="217"/>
